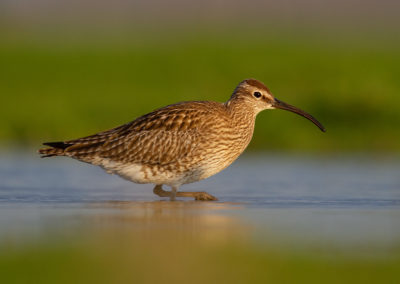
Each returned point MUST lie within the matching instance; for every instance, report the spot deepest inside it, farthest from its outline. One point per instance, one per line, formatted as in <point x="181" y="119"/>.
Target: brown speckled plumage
<point x="176" y="144"/>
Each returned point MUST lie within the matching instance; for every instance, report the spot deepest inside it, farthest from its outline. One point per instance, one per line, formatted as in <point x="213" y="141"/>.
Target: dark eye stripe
<point x="257" y="94"/>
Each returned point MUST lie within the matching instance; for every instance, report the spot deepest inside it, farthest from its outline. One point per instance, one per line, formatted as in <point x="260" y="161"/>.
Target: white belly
<point x="139" y="173"/>
<point x="143" y="174"/>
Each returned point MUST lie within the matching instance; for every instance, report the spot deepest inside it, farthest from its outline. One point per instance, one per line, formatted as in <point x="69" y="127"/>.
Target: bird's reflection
<point x="162" y="219"/>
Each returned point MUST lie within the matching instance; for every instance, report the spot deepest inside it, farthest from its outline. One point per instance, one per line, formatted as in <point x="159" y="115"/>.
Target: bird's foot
<point x="199" y="196"/>
<point x="204" y="196"/>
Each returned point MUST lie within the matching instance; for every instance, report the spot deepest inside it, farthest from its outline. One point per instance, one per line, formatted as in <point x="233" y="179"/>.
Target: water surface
<point x="289" y="200"/>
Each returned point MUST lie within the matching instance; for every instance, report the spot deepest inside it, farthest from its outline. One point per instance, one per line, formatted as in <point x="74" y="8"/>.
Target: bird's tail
<point x="54" y="149"/>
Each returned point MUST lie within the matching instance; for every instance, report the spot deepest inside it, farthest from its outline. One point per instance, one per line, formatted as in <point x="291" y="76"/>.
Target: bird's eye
<point x="257" y="94"/>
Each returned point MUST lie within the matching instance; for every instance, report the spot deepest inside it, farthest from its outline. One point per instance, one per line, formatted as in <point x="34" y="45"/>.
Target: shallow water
<point x="294" y="201"/>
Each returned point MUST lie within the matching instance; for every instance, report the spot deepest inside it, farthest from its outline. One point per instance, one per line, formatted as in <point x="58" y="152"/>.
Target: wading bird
<point x="180" y="143"/>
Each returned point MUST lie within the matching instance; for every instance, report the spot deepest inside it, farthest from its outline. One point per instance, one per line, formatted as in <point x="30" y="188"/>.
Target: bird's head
<point x="254" y="93"/>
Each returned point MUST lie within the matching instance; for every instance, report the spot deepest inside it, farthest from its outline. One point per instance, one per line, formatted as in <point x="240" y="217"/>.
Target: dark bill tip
<point x="282" y="105"/>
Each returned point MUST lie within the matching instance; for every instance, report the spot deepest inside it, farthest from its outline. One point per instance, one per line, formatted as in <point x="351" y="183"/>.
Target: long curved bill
<point x="282" y="105"/>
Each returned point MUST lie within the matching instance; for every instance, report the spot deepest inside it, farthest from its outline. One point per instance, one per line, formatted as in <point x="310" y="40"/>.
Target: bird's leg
<point x="163" y="193"/>
<point x="201" y="195"/>
<point x="174" y="189"/>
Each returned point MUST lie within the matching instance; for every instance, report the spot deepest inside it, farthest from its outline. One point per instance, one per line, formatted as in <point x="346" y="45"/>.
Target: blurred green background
<point x="67" y="73"/>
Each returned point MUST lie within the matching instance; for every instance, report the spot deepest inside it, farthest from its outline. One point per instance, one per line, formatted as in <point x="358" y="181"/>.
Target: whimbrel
<point x="180" y="143"/>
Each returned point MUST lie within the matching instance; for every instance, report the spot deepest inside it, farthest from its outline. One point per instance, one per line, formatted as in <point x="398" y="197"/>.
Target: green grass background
<point x="195" y="263"/>
<point x="57" y="87"/>
<point x="155" y="255"/>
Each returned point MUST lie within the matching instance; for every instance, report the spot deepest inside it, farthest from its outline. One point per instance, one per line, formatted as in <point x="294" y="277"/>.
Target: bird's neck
<point x="242" y="117"/>
<point x="241" y="111"/>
